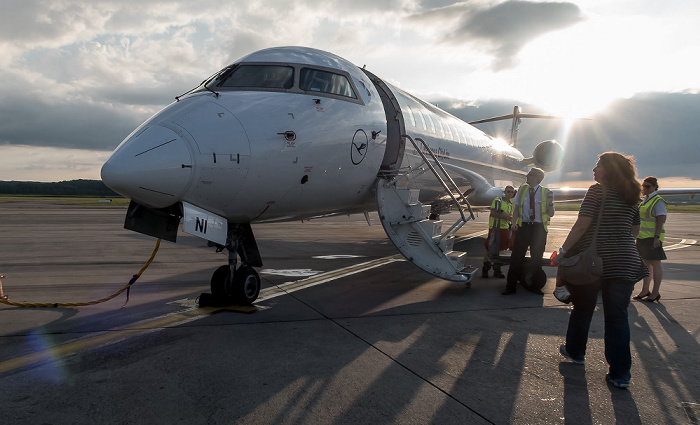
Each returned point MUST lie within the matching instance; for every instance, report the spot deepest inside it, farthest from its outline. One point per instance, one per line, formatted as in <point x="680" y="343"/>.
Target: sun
<point x="579" y="71"/>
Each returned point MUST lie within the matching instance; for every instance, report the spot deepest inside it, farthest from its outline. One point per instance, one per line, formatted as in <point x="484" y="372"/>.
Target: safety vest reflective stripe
<point x="524" y="188"/>
<point x="647" y="228"/>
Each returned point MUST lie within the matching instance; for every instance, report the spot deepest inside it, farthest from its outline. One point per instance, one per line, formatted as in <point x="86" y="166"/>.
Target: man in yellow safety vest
<point x="498" y="239"/>
<point x="534" y="205"/>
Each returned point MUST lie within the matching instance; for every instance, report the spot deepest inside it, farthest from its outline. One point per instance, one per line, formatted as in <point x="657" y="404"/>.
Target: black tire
<point x="221" y="285"/>
<point x="247" y="285"/>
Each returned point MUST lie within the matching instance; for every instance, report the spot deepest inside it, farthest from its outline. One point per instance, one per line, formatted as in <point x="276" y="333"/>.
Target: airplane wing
<point x="691" y="191"/>
<point x="567" y="194"/>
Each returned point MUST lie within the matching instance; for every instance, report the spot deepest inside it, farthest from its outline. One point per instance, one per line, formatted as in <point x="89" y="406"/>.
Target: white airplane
<point x="293" y="133"/>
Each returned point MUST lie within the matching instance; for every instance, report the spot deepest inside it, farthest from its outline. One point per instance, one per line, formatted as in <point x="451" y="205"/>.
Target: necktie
<point x="532" y="204"/>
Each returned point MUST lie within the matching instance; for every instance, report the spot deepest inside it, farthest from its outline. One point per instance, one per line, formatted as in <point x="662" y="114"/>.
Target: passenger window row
<point x="438" y="126"/>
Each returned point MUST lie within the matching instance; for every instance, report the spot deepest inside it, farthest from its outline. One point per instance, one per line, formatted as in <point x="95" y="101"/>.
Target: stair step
<point x="458" y="258"/>
<point x="419" y="211"/>
<point x="447" y="244"/>
<point x="408" y="196"/>
<point x="432" y="228"/>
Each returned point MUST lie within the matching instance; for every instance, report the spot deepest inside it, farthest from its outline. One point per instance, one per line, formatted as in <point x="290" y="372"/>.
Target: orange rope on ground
<point x="126" y="287"/>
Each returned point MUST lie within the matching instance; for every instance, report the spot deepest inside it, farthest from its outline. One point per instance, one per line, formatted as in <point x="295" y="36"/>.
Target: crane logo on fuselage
<point x="358" y="148"/>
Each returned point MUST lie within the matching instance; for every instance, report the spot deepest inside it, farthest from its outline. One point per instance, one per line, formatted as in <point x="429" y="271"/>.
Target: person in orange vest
<point x="534" y="205"/>
<point x="650" y="239"/>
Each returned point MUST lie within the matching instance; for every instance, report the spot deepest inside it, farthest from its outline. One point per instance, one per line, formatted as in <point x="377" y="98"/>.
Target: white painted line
<point x="336" y="257"/>
<point x="291" y="272"/>
<point x="297" y="285"/>
<point x="684" y="243"/>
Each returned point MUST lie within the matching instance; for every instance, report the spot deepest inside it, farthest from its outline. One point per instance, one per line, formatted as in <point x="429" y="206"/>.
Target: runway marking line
<point x="684" y="243"/>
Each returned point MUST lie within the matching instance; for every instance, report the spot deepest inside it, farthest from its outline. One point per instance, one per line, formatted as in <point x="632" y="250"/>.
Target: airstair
<point x="406" y="221"/>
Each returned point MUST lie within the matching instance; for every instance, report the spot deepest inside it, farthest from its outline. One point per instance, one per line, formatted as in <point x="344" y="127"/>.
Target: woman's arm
<point x="577" y="231"/>
<point x="660" y="220"/>
<point x="635" y="230"/>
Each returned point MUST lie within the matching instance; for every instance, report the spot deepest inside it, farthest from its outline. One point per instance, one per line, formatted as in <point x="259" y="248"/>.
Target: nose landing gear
<point x="236" y="285"/>
<point x="241" y="288"/>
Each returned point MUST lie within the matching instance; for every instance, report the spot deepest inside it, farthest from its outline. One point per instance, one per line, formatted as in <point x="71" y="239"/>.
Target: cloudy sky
<point x="77" y="76"/>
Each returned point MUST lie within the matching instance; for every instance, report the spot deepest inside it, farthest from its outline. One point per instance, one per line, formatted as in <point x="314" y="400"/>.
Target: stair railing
<point x="451" y="191"/>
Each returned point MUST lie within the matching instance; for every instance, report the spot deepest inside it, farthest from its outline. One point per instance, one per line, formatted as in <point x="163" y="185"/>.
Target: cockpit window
<point x="260" y="76"/>
<point x="315" y="80"/>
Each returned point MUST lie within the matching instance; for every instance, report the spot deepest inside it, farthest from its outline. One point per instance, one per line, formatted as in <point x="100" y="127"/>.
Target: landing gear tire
<point x="243" y="289"/>
<point x="247" y="285"/>
<point x="221" y="285"/>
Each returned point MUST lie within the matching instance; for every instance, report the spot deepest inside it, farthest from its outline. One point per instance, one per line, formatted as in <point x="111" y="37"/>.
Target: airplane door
<point x="395" y="144"/>
<point x="223" y="157"/>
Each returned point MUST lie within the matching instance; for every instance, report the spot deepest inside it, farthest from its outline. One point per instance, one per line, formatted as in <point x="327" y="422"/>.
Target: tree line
<point x="63" y="188"/>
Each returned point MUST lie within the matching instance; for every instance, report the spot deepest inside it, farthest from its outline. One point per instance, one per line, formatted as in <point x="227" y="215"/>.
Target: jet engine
<point x="548" y="155"/>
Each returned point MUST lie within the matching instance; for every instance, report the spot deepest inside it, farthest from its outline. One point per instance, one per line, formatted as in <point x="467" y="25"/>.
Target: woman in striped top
<point x="618" y="192"/>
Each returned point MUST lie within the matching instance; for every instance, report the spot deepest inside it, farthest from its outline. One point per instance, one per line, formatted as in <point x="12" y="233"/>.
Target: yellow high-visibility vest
<point x="507" y="208"/>
<point x="647" y="228"/>
<point x="524" y="188"/>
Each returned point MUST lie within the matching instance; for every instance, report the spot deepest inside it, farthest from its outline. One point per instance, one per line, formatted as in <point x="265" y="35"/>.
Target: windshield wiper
<point x="202" y="84"/>
<point x="207" y="87"/>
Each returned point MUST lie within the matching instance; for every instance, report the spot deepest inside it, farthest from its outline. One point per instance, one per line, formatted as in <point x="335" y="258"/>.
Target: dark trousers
<point x="528" y="235"/>
<point x="616" y="300"/>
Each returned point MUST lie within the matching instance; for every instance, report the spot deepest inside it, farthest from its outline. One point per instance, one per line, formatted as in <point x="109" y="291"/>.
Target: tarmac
<point x="344" y="332"/>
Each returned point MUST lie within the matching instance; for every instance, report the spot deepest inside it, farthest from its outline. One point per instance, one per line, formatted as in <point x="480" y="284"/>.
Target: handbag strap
<point x="597" y="224"/>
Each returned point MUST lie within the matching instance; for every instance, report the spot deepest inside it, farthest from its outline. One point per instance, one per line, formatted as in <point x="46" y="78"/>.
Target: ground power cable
<point x="126" y="288"/>
<point x="385" y="354"/>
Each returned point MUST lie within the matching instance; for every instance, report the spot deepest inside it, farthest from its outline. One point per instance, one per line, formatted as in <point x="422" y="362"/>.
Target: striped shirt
<point x="615" y="243"/>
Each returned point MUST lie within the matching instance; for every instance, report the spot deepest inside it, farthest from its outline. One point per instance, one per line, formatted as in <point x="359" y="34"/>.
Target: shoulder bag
<point x="586" y="267"/>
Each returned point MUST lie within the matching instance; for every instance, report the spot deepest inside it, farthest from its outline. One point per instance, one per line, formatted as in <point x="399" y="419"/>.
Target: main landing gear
<point x="236" y="285"/>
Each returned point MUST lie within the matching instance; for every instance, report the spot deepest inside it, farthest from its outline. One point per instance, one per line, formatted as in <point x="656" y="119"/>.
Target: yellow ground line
<point x="103" y="338"/>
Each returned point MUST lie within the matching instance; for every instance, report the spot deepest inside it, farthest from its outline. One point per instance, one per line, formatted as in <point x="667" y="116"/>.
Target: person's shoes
<point x="640" y="296"/>
<point x="497" y="272"/>
<point x="651" y="300"/>
<point x="617" y="383"/>
<point x="562" y="294"/>
<point x="563" y="352"/>
<point x="508" y="291"/>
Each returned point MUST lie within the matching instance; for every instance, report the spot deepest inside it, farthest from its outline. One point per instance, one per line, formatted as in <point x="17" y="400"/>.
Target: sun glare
<point x="579" y="71"/>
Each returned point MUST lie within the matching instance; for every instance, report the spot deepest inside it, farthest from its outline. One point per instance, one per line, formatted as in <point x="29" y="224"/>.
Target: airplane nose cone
<point x="152" y="167"/>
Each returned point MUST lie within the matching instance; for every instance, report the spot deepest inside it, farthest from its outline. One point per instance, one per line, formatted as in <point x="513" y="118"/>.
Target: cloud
<point x="82" y="75"/>
<point x="502" y="29"/>
<point x="659" y="129"/>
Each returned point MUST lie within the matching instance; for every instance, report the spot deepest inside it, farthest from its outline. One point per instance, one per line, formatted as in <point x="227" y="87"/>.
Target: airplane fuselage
<point x="255" y="150"/>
